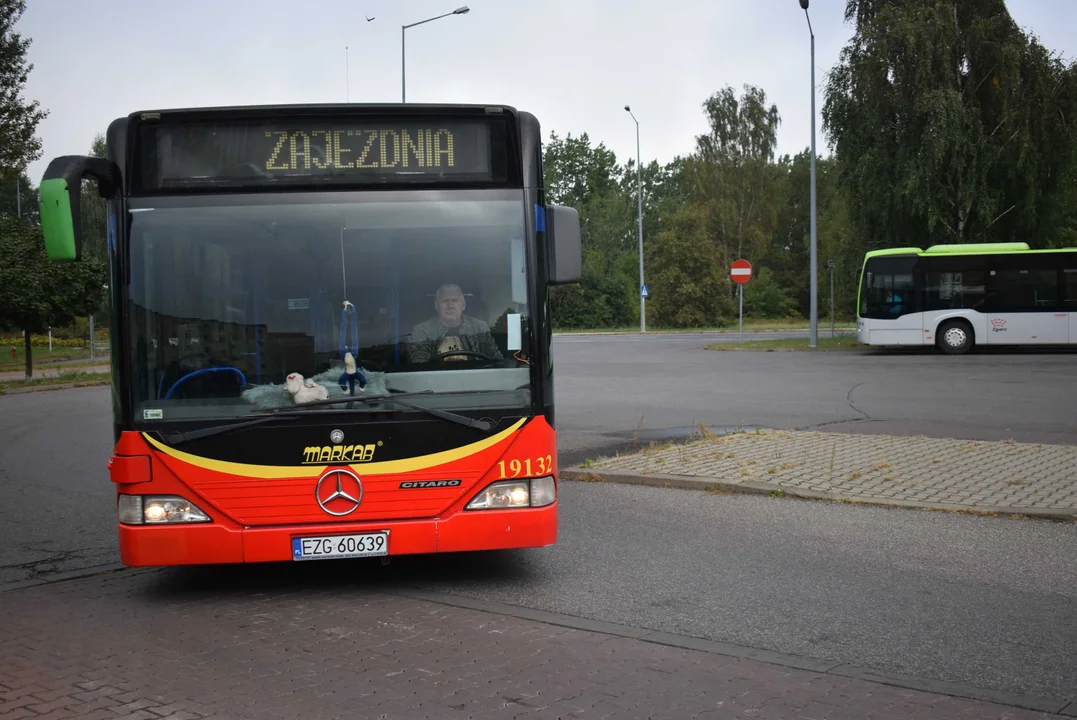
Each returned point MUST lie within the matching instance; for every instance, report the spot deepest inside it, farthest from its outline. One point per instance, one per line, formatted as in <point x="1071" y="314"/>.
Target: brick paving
<point x="883" y="468"/>
<point x="147" y="645"/>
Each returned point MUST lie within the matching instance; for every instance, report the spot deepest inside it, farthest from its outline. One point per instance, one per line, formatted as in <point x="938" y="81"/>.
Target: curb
<point x="753" y="487"/>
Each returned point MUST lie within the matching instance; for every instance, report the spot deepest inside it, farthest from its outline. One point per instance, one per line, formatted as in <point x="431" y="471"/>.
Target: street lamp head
<point x="465" y="9"/>
<point x="628" y="108"/>
<point x="804" y="4"/>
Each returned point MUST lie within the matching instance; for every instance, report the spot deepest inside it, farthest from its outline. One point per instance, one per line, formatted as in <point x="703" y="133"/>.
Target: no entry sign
<point x="741" y="272"/>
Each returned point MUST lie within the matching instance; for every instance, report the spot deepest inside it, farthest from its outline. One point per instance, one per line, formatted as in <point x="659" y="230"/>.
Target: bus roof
<point x="965" y="249"/>
<point x="366" y="108"/>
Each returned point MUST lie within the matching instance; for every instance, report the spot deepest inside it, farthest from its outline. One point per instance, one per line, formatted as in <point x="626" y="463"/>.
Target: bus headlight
<point x="537" y="492"/>
<point x="158" y="510"/>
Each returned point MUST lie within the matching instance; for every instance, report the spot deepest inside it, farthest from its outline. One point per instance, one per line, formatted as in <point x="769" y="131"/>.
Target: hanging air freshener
<point x="349" y="334"/>
<point x="350" y="322"/>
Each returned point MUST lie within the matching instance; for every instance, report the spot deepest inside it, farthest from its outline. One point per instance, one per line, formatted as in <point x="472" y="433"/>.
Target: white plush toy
<point x="304" y="391"/>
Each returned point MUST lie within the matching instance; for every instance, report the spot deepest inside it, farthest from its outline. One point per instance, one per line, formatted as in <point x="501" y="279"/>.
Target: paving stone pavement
<point x="146" y="645"/>
<point x="977" y="475"/>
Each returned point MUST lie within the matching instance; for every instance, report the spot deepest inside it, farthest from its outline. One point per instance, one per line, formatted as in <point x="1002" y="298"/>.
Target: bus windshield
<point x="247" y="302"/>
<point x="887" y="288"/>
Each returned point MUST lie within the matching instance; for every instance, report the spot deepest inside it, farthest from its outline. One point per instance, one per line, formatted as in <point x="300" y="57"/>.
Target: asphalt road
<point x="621" y="391"/>
<point x="986" y="601"/>
<point x="57" y="505"/>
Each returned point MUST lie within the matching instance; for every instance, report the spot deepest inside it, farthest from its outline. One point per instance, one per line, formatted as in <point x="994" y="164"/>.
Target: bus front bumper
<point x="211" y="543"/>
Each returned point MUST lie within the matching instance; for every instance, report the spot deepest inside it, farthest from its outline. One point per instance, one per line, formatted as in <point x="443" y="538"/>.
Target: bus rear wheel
<point x="954" y="337"/>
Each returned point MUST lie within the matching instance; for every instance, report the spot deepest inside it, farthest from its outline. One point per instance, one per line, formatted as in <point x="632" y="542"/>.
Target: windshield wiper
<point x="341" y="400"/>
<point x="179" y="438"/>
<point x="292" y="412"/>
<point x="443" y="414"/>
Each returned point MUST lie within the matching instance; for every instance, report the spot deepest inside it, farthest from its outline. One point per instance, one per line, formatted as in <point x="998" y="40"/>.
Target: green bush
<point x="765" y="298"/>
<point x="57" y="342"/>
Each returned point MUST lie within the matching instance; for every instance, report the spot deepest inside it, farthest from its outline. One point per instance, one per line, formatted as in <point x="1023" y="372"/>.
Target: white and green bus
<point x="958" y="296"/>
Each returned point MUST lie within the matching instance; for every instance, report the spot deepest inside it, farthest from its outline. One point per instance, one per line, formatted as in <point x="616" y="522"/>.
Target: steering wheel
<point x="440" y="357"/>
<point x="203" y="371"/>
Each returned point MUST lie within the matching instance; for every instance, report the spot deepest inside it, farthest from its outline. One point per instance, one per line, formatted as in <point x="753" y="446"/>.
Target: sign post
<point x="741" y="273"/>
<point x="830" y="267"/>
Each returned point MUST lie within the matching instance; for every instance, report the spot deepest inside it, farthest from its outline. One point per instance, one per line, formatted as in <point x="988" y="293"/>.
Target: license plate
<point x="333" y="547"/>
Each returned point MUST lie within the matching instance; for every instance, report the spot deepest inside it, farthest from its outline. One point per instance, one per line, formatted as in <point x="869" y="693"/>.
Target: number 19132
<point x="528" y="467"/>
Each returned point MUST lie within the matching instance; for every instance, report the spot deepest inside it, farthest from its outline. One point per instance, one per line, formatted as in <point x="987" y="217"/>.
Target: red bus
<point x="330" y="329"/>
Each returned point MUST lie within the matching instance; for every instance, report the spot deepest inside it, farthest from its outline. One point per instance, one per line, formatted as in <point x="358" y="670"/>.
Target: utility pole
<point x="830" y="268"/>
<point x="813" y="340"/>
<point x="639" y="222"/>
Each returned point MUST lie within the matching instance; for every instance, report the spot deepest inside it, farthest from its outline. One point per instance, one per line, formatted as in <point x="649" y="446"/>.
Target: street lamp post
<point x="813" y="341"/>
<point x="639" y="221"/>
<point x="403" y="88"/>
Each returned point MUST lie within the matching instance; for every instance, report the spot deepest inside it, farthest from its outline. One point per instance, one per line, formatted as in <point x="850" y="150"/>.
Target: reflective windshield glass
<point x="270" y="302"/>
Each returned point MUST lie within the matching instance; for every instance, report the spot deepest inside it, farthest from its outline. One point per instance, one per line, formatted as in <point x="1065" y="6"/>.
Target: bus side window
<point x="1069" y="288"/>
<point x="892" y="292"/>
<point x="953" y="290"/>
<point x="1022" y="287"/>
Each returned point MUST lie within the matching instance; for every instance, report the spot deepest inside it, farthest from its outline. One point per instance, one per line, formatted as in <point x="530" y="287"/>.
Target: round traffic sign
<point x="741" y="272"/>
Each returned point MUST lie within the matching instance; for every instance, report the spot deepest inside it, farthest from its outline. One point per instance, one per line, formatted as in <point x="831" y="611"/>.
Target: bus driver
<point x="451" y="330"/>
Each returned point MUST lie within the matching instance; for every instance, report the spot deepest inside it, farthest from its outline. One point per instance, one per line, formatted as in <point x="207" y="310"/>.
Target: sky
<point x="575" y="64"/>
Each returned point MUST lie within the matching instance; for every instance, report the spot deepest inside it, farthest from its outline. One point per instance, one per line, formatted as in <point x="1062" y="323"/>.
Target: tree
<point x="951" y="125"/>
<point x="36" y="293"/>
<point x="718" y="204"/>
<point x="788" y="254"/>
<point x="576" y="173"/>
<point x="18" y="198"/>
<point x="19" y="145"/>
<point x="589" y="179"/>
<point x="689" y="282"/>
<point x="93" y="211"/>
<point x="736" y="176"/>
<point x="766" y="297"/>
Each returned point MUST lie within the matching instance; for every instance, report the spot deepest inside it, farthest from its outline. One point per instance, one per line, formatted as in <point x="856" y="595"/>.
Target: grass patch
<point x="75" y="378"/>
<point x="42" y="358"/>
<point x="842" y="342"/>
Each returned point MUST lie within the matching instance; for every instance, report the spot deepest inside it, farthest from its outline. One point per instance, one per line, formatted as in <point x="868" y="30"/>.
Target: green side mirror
<point x="59" y="201"/>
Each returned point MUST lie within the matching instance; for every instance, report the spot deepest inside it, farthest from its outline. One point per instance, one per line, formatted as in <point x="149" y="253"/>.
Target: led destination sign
<point x="320" y="151"/>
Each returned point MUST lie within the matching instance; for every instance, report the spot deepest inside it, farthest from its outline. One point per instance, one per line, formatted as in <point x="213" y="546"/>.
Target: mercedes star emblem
<point x="339" y="492"/>
<point x="337" y="436"/>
